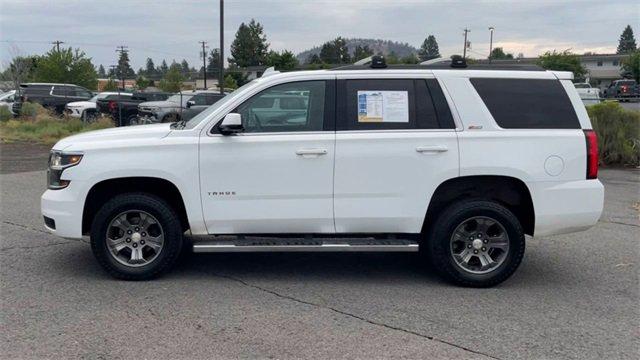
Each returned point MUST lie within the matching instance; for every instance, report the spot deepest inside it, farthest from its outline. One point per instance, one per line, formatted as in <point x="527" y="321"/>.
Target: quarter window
<point x="527" y="103"/>
<point x="59" y="91"/>
<point x="296" y="106"/>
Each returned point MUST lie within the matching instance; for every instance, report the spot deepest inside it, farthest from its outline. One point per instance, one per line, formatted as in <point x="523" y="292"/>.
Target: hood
<point x="81" y="104"/>
<point x="119" y="135"/>
<point x="160" y="104"/>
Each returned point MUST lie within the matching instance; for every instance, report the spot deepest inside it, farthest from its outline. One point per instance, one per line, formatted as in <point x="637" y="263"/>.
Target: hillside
<point x="377" y="45"/>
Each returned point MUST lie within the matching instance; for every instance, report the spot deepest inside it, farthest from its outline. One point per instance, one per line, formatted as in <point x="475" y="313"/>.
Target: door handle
<point x="311" y="152"/>
<point x="432" y="149"/>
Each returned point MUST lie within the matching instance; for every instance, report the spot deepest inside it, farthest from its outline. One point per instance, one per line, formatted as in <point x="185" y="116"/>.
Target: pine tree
<point x="213" y="63"/>
<point x="335" y="52"/>
<point x="362" y="52"/>
<point x="163" y="68"/>
<point x="429" y="49"/>
<point x="101" y="72"/>
<point x="150" y="69"/>
<point x="250" y="47"/>
<point x="124" y="70"/>
<point x="184" y="68"/>
<point x="627" y="43"/>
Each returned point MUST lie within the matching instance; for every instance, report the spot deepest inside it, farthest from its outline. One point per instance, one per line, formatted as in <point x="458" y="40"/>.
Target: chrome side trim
<point x="212" y="248"/>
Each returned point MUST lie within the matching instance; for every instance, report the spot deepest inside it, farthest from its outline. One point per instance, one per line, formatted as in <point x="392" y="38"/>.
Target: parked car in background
<point x="51" y="96"/>
<point x="123" y="109"/>
<point x="588" y="94"/>
<point x="181" y="106"/>
<point x="87" y="110"/>
<point x="622" y="90"/>
<point x="7" y="99"/>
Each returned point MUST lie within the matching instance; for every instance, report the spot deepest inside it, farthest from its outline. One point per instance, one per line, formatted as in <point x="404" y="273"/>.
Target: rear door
<point x="395" y="143"/>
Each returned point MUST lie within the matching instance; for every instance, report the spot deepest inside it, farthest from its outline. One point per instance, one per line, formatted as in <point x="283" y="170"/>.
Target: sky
<point x="170" y="30"/>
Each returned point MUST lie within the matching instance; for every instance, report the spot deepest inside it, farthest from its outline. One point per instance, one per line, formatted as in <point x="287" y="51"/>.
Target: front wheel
<point x="476" y="243"/>
<point x="136" y="236"/>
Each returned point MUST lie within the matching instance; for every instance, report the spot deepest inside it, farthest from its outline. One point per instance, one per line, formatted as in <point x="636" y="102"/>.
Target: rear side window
<point x="392" y="104"/>
<point x="527" y="103"/>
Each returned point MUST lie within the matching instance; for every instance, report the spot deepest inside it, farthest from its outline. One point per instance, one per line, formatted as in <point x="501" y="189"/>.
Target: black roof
<point x="445" y="66"/>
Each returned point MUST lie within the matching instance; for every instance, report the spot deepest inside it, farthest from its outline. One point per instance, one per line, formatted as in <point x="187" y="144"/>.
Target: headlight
<point x="59" y="161"/>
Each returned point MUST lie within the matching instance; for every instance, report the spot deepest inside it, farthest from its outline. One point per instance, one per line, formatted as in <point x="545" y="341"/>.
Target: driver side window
<point x="296" y="106"/>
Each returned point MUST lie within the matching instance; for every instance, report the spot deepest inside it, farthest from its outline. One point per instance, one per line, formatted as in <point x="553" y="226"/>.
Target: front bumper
<point x="73" y="112"/>
<point x="65" y="208"/>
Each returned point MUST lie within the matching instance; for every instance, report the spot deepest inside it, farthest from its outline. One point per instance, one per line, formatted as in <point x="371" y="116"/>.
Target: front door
<point x="276" y="176"/>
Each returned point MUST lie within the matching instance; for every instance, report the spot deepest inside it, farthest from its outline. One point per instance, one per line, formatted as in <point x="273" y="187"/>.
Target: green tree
<point x="66" y="66"/>
<point x="362" y="52"/>
<point x="230" y="82"/>
<point x="335" y="52"/>
<point x="163" y="68"/>
<point x="236" y="73"/>
<point x="101" y="73"/>
<point x="172" y="81"/>
<point x="627" y="43"/>
<point x="499" y="54"/>
<point x="563" y="61"/>
<point x="250" y="47"/>
<point x="410" y="59"/>
<point x="313" y="59"/>
<point x="124" y="70"/>
<point x="285" y="60"/>
<point x="142" y="82"/>
<point x="21" y="69"/>
<point x="213" y="63"/>
<point x="429" y="49"/>
<point x="631" y="66"/>
<point x="185" y="69"/>
<point x="110" y="85"/>
<point x="392" y="58"/>
<point x="150" y="68"/>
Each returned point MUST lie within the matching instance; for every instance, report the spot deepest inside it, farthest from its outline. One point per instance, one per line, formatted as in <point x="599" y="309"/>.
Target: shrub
<point x="46" y="129"/>
<point x="31" y="110"/>
<point x="618" y="132"/>
<point x="5" y="114"/>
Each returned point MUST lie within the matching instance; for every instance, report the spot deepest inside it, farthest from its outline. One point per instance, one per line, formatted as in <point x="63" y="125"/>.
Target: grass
<point x="38" y="125"/>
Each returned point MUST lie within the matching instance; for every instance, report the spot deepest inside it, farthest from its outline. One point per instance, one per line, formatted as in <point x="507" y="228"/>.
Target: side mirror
<point x="190" y="103"/>
<point x="231" y="124"/>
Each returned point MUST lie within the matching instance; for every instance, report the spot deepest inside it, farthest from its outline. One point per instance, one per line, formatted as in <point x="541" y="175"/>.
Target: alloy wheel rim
<point x="479" y="245"/>
<point x="135" y="238"/>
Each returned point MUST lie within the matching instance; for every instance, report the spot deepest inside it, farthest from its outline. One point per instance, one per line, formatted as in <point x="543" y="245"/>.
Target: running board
<point x="305" y="245"/>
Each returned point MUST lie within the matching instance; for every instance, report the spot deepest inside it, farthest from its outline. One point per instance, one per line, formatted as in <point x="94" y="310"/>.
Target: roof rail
<point x="437" y="60"/>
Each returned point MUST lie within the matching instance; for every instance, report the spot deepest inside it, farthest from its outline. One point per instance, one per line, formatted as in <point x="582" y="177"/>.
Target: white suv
<point x="457" y="163"/>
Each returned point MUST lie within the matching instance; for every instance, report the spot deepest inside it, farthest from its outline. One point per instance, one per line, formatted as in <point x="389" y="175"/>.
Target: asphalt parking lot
<point x="575" y="296"/>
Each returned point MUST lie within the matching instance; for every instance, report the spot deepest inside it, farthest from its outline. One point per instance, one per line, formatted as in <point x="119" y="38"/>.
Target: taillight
<point x="111" y="105"/>
<point x="624" y="88"/>
<point x="592" y="154"/>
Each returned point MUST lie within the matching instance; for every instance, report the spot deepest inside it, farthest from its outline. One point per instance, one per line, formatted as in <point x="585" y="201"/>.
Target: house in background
<point x="602" y="68"/>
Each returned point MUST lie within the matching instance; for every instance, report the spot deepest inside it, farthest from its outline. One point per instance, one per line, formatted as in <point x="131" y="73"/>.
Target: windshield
<point x="176" y="98"/>
<point x="94" y="99"/>
<point x="218" y="104"/>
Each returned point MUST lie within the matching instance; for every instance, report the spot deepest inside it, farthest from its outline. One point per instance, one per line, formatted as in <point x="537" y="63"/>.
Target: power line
<point x="57" y="44"/>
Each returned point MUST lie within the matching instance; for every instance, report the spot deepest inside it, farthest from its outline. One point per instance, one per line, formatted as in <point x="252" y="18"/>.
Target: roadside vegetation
<point x="618" y="132"/>
<point x="39" y="125"/>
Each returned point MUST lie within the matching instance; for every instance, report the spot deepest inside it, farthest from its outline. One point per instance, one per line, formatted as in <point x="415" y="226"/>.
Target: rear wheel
<point x="136" y="236"/>
<point x="476" y="243"/>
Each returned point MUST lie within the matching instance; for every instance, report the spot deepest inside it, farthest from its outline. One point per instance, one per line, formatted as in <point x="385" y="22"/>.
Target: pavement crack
<point x="618" y="223"/>
<point x="25" y="227"/>
<point x="342" y="312"/>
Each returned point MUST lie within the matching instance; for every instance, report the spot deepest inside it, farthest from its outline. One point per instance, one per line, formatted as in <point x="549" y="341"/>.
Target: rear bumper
<point x="65" y="209"/>
<point x="566" y="207"/>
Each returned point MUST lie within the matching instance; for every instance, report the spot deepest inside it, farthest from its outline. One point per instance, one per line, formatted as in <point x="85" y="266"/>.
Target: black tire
<point x="153" y="205"/>
<point x="438" y="243"/>
<point x="133" y="120"/>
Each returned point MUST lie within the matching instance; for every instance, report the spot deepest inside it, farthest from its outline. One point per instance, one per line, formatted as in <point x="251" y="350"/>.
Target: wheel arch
<point x="107" y="189"/>
<point x="509" y="191"/>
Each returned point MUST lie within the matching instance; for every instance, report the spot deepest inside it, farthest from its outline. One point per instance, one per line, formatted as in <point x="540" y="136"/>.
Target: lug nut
<point x="469" y="246"/>
<point x="128" y="239"/>
<point x="137" y="228"/>
<point x="486" y="241"/>
<point x="479" y="236"/>
<point x="470" y="237"/>
<point x="144" y="234"/>
<point x="474" y="251"/>
<point x="136" y="245"/>
<point x="484" y="249"/>
<point x="129" y="232"/>
<point x="141" y="242"/>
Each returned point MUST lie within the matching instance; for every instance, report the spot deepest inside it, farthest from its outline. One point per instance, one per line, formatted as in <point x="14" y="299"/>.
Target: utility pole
<point x="491" y="29"/>
<point x="221" y="72"/>
<point x="57" y="44"/>
<point x="464" y="50"/>
<point x="204" y="62"/>
<point x="122" y="50"/>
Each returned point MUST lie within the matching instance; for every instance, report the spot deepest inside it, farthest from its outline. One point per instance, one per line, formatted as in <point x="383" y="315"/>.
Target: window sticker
<point x="383" y="106"/>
